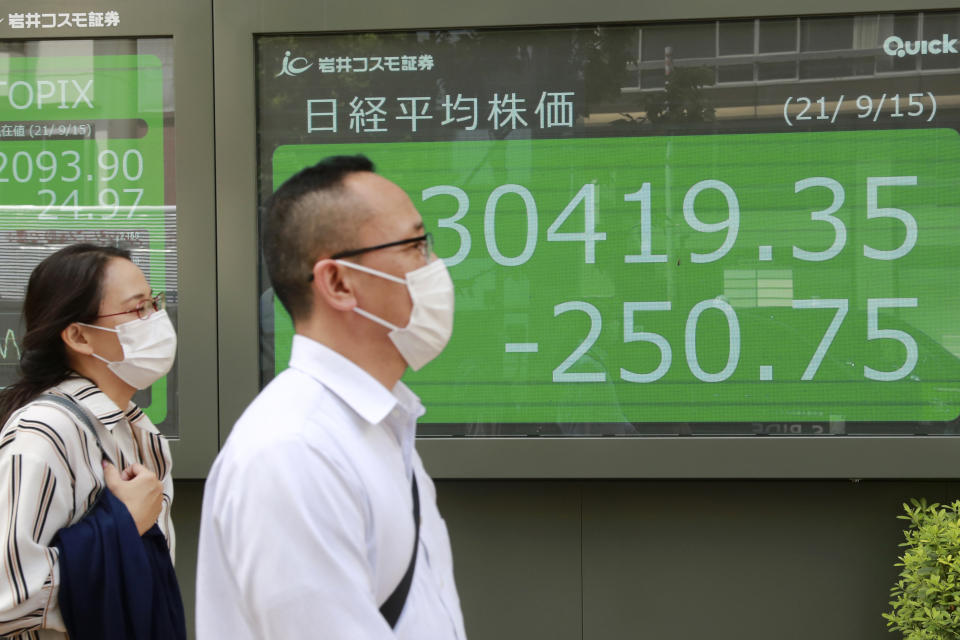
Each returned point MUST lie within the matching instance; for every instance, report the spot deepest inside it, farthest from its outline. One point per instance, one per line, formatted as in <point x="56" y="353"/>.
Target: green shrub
<point x="926" y="597"/>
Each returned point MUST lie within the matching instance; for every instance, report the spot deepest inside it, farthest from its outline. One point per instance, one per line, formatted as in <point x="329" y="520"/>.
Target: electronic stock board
<point x="723" y="227"/>
<point x="86" y="156"/>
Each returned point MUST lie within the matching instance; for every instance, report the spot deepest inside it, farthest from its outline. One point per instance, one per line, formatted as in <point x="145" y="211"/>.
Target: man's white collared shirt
<point x="307" y="522"/>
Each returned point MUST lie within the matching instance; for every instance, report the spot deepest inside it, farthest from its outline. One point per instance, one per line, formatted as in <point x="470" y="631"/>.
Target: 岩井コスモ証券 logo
<point x="896" y="46"/>
<point x="293" y="66"/>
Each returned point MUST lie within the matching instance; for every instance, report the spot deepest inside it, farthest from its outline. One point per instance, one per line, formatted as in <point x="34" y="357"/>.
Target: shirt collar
<point x="358" y="389"/>
<point x="101" y="406"/>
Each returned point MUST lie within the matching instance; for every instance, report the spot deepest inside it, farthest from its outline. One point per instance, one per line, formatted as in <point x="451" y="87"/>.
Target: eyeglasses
<point x="424" y="242"/>
<point x="145" y="309"/>
<point x="424" y="245"/>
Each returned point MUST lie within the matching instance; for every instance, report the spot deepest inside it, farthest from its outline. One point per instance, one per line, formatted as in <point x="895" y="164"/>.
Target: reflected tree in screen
<point x="682" y="100"/>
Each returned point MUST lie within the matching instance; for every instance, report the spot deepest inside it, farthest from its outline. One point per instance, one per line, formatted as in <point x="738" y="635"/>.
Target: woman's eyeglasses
<point x="145" y="309"/>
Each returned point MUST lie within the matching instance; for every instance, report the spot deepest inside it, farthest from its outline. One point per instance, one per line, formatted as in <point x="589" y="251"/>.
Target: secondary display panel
<point x="86" y="155"/>
<point x="721" y="227"/>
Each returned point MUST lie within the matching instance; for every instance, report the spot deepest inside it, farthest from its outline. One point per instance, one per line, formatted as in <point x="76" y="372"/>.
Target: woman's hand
<point x="139" y="490"/>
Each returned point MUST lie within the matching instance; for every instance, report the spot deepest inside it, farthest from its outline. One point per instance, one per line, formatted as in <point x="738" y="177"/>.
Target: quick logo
<point x="896" y="46"/>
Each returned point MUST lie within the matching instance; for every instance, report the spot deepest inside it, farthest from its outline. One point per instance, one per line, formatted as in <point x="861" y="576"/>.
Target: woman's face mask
<point x="149" y="349"/>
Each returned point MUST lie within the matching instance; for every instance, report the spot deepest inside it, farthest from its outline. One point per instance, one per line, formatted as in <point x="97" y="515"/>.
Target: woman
<point x="95" y="333"/>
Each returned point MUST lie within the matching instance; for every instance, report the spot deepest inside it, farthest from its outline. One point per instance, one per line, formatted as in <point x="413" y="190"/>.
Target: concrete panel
<point x="187" y="500"/>
<point x="516" y="548"/>
<point x="735" y="560"/>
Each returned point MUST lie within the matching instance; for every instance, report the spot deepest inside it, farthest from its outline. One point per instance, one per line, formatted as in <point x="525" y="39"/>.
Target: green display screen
<point x="643" y="280"/>
<point x="713" y="249"/>
<point x="82" y="159"/>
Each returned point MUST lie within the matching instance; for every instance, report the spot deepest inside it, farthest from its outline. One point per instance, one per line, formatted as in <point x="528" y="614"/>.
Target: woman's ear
<point x="332" y="286"/>
<point x="75" y="339"/>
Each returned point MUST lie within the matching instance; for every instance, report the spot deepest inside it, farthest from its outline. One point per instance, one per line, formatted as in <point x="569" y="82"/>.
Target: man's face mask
<point x="431" y="319"/>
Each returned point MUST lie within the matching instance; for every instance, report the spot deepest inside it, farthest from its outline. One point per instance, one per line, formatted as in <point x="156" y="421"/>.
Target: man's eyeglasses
<point x="145" y="309"/>
<point x="424" y="245"/>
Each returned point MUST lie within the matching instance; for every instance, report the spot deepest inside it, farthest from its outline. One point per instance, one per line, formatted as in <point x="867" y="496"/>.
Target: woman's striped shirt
<point x="50" y="475"/>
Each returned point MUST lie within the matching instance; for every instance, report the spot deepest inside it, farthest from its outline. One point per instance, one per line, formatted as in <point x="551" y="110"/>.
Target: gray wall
<point x="676" y="560"/>
<point x="670" y="560"/>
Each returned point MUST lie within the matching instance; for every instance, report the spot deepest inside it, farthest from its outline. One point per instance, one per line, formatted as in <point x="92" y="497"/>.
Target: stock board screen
<point x="86" y="155"/>
<point x="725" y="227"/>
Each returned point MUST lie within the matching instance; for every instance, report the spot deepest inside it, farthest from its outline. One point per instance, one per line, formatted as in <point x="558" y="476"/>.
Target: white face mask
<point x="431" y="319"/>
<point x="149" y="348"/>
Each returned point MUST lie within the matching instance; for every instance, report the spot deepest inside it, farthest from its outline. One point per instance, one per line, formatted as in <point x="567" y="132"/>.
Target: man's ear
<point x="76" y="340"/>
<point x="332" y="285"/>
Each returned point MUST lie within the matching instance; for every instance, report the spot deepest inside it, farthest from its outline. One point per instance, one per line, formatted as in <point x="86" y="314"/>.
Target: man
<point x="308" y="522"/>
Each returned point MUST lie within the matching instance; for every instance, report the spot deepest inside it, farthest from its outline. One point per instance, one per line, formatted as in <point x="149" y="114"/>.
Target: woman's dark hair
<point x="63" y="289"/>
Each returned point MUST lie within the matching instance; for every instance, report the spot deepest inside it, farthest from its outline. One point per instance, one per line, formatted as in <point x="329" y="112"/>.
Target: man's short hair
<point x="307" y="218"/>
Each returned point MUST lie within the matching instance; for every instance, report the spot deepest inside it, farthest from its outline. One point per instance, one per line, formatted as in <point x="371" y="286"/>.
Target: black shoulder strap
<point x="66" y="402"/>
<point x="393" y="607"/>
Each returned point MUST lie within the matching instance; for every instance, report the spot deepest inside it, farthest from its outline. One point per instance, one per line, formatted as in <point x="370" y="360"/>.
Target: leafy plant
<point x="926" y="597"/>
